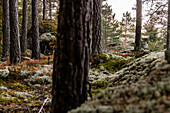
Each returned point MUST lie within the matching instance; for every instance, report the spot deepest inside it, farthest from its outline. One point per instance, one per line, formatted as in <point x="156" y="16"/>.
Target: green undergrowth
<point x="46" y="61"/>
<point x="18" y="86"/>
<point x="95" y="91"/>
<point x="99" y="85"/>
<point x="109" y="63"/>
<point x="114" y="64"/>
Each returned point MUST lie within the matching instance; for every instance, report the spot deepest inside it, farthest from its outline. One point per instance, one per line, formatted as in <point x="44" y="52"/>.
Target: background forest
<point x="57" y="55"/>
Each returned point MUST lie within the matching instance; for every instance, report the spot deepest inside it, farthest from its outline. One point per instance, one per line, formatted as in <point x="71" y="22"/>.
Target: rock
<point x="102" y="68"/>
<point x="39" y="79"/>
<point x="4" y="73"/>
<point x="38" y="73"/>
<point x="26" y="73"/>
<point x="105" y="109"/>
<point x="48" y="66"/>
<point x="27" y="58"/>
<point x="23" y="94"/>
<point x="25" y="100"/>
<point x="2" y="88"/>
<point x="45" y="39"/>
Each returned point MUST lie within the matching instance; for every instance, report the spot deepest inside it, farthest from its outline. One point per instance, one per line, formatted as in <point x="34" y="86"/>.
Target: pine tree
<point x="44" y="9"/>
<point x="71" y="58"/>
<point x="50" y="9"/>
<point x="96" y="28"/>
<point x="138" y="25"/>
<point x="127" y="26"/>
<point x="168" y="27"/>
<point x="6" y="29"/>
<point x="167" y="52"/>
<point x="110" y="26"/>
<point x="35" y="31"/>
<point x="15" y="53"/>
<point x="23" y="39"/>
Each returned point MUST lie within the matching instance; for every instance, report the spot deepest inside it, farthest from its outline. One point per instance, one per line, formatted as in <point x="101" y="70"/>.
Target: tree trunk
<point x="71" y="58"/>
<point x="44" y="9"/>
<point x="35" y="31"/>
<point x="97" y="28"/>
<point x="50" y="9"/>
<point x="15" y="53"/>
<point x="168" y="28"/>
<point x="6" y="29"/>
<point x="167" y="52"/>
<point x="23" y="39"/>
<point x="138" y="25"/>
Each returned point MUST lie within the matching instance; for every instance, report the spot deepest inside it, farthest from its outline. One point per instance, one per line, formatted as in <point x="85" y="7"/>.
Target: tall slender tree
<point x="106" y="19"/>
<point x="15" y="53"/>
<point x="167" y="52"/>
<point x="127" y="25"/>
<point x="168" y="27"/>
<point x="71" y="58"/>
<point x="97" y="28"/>
<point x="138" y="25"/>
<point x="110" y="26"/>
<point x="6" y="29"/>
<point x="44" y="9"/>
<point x="35" y="31"/>
<point x="23" y="39"/>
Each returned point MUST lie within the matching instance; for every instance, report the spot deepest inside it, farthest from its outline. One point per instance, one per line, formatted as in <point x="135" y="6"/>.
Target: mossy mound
<point x="98" y="86"/>
<point x="110" y="63"/>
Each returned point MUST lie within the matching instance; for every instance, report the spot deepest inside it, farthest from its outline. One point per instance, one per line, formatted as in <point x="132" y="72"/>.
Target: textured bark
<point x="35" y="31"/>
<point x="6" y="29"/>
<point x="71" y="58"/>
<point x="44" y="9"/>
<point x="97" y="28"/>
<point x="15" y="53"/>
<point x="167" y="52"/>
<point x="23" y="39"/>
<point x="50" y="9"/>
<point x="138" y="25"/>
<point x="168" y="27"/>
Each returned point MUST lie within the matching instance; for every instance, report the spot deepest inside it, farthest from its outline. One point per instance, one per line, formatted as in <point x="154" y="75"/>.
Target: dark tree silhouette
<point x="138" y="25"/>
<point x="15" y="53"/>
<point x="23" y="39"/>
<point x="6" y="29"/>
<point x="71" y="58"/>
<point x="35" y="31"/>
<point x="168" y="27"/>
<point x="167" y="52"/>
<point x="44" y="9"/>
<point x="97" y="28"/>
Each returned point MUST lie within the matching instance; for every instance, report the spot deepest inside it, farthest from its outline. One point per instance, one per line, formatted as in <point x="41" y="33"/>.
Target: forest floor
<point x="26" y="86"/>
<point x="127" y="87"/>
